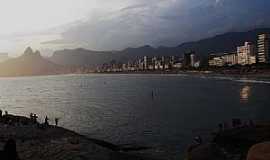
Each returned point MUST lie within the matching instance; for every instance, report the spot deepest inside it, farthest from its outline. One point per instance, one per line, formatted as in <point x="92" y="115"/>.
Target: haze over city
<point x="117" y="24"/>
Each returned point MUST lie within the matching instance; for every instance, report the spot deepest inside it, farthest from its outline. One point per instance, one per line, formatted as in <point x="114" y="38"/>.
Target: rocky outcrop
<point x="240" y="143"/>
<point x="37" y="141"/>
<point x="260" y="151"/>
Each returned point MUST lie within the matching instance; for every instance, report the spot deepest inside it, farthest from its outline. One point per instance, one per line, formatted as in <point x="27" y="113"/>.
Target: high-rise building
<point x="145" y="63"/>
<point x="186" y="60"/>
<point x="222" y="59"/>
<point x="263" y="48"/>
<point x="192" y="59"/>
<point x="230" y="59"/>
<point x="246" y="54"/>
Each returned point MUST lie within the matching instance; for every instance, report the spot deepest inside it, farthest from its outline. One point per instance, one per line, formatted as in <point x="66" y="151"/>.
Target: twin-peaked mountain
<point x="67" y="61"/>
<point x="30" y="63"/>
<point x="221" y="43"/>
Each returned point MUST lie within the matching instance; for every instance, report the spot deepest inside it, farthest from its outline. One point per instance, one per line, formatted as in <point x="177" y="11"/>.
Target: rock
<point x="206" y="152"/>
<point x="260" y="151"/>
<point x="28" y="51"/>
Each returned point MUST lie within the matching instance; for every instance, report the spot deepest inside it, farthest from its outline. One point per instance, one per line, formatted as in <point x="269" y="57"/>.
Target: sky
<point x="117" y="24"/>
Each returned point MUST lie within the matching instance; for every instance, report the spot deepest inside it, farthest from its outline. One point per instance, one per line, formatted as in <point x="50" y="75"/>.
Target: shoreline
<point x="189" y="72"/>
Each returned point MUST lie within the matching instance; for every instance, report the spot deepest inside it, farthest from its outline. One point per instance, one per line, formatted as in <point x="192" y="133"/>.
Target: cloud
<point x="165" y="22"/>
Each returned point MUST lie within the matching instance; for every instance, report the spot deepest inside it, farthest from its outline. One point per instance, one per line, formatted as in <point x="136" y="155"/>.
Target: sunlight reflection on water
<point x="119" y="108"/>
<point x="245" y="93"/>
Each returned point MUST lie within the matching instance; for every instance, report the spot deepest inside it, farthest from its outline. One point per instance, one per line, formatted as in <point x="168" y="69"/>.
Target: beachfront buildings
<point x="246" y="55"/>
<point x="155" y="63"/>
<point x="263" y="48"/>
<point x="187" y="59"/>
<point x="230" y="59"/>
<point x="223" y="59"/>
<point x="190" y="60"/>
<point x="216" y="61"/>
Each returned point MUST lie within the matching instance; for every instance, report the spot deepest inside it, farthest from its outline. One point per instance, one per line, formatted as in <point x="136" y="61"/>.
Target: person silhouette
<point x="46" y="121"/>
<point x="35" y="118"/>
<point x="31" y="116"/>
<point x="56" y="121"/>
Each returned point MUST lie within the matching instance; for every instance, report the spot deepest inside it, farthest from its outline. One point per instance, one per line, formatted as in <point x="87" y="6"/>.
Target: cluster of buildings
<point x="162" y="63"/>
<point x="247" y="54"/>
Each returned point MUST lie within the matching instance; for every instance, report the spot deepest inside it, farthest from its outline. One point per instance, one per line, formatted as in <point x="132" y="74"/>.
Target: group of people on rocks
<point x="34" y="117"/>
<point x="6" y="119"/>
<point x="9" y="151"/>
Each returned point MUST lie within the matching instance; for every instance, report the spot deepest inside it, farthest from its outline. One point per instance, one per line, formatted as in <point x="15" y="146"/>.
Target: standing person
<point x="35" y="118"/>
<point x="56" y="121"/>
<point x="46" y="121"/>
<point x="31" y="116"/>
<point x="1" y="112"/>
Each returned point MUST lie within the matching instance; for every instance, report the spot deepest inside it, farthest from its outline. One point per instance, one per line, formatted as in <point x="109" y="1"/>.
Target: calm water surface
<point x="121" y="109"/>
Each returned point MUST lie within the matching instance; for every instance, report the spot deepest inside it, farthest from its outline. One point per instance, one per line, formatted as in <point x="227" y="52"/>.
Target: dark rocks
<point x="235" y="144"/>
<point x="260" y="151"/>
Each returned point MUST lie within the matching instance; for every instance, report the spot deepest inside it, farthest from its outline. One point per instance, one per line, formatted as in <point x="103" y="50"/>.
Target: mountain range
<point x="76" y="60"/>
<point x="227" y="42"/>
<point x="29" y="63"/>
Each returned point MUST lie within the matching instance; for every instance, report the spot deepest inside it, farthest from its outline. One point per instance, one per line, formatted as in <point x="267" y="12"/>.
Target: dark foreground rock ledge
<point x="41" y="142"/>
<point x="242" y="143"/>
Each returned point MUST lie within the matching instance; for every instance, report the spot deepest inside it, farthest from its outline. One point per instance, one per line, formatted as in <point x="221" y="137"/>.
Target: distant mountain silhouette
<point x="30" y="63"/>
<point x="82" y="57"/>
<point x="221" y="43"/>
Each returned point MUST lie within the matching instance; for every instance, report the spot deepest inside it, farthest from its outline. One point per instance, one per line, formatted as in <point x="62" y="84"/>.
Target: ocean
<point x="163" y="112"/>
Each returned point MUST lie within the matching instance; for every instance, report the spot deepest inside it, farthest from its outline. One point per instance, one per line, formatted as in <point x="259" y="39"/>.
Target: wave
<point x="237" y="79"/>
<point x="252" y="81"/>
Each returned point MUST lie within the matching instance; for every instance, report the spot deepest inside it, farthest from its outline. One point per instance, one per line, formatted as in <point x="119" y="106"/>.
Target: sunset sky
<point x="116" y="24"/>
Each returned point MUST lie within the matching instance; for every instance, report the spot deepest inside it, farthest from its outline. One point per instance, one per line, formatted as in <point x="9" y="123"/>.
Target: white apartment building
<point x="246" y="54"/>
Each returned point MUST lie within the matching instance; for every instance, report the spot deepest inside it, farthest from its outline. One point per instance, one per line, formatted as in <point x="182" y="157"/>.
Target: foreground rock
<point x="235" y="144"/>
<point x="39" y="142"/>
<point x="260" y="151"/>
